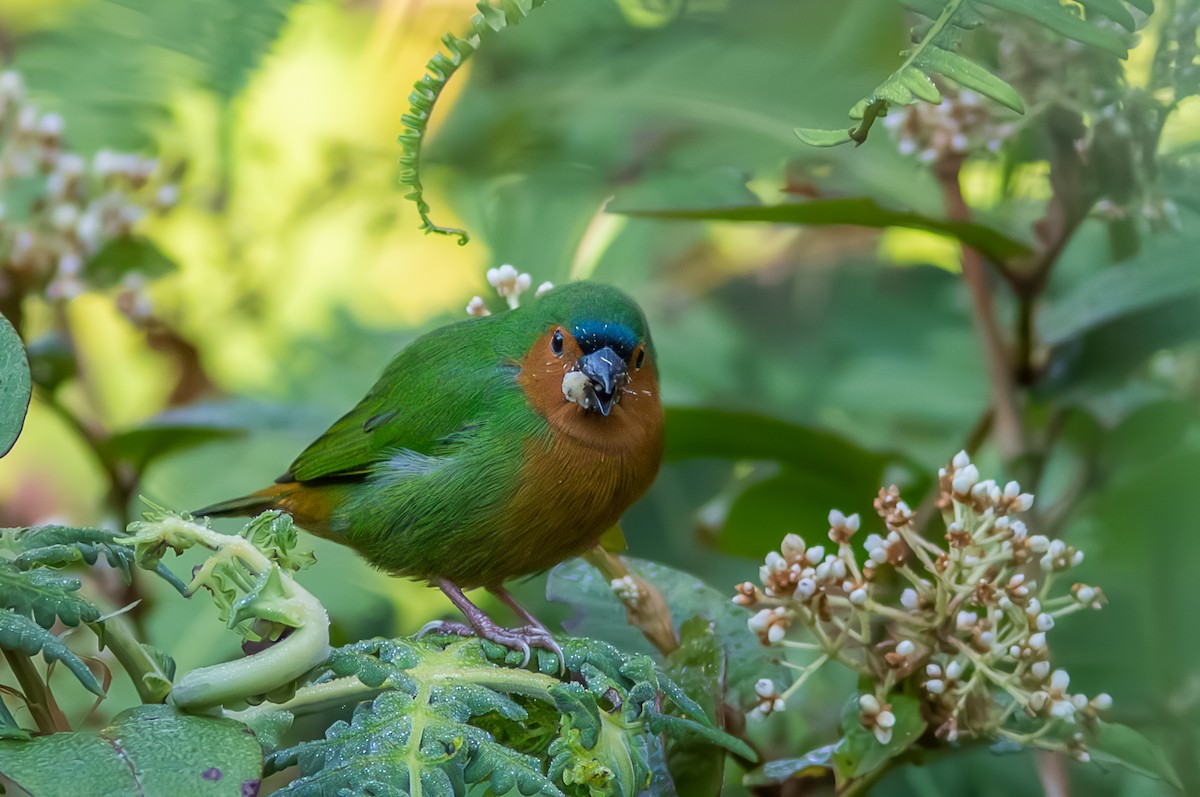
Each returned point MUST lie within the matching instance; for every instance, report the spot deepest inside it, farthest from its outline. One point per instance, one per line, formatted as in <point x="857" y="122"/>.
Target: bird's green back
<point x="445" y="382"/>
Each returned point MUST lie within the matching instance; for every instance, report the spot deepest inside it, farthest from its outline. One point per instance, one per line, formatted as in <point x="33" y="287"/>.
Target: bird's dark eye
<point x="556" y="343"/>
<point x="641" y="358"/>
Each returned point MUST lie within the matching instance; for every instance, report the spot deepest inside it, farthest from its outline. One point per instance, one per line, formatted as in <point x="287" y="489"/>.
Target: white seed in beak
<point x="574" y="388"/>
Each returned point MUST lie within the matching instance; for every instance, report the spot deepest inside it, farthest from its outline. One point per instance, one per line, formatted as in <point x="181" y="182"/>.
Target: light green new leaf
<point x="15" y="386"/>
<point x="1114" y="743"/>
<point x="859" y="752"/>
<point x="971" y="75"/>
<point x="148" y="750"/>
<point x="818" y="137"/>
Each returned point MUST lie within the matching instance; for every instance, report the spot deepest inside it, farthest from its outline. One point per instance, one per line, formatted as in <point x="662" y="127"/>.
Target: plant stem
<point x="1009" y="432"/>
<point x="42" y="706"/>
<point x="152" y="684"/>
<point x="648" y="610"/>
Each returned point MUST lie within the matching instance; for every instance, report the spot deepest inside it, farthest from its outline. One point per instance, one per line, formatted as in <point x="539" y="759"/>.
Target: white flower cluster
<point x="970" y="621"/>
<point x="510" y="284"/>
<point x="962" y="122"/>
<point x="78" y="207"/>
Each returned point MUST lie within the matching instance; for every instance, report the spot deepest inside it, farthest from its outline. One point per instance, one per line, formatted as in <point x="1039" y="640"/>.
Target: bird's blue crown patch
<point x="595" y="335"/>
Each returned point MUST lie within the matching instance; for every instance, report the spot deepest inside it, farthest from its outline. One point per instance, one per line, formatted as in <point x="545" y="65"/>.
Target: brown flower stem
<point x="1009" y="432"/>
<point x="649" y="612"/>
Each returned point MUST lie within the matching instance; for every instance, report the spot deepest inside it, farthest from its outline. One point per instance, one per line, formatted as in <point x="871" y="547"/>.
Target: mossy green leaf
<point x="148" y="750"/>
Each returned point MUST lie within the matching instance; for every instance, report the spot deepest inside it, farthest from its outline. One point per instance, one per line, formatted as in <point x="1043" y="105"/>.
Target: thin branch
<point x="1009" y="433"/>
<point x="46" y="713"/>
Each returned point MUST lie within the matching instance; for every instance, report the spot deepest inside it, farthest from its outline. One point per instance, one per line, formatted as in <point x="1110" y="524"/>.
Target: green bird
<point x="489" y="449"/>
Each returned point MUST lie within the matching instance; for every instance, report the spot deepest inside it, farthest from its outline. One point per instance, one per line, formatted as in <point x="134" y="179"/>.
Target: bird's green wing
<point x="438" y="386"/>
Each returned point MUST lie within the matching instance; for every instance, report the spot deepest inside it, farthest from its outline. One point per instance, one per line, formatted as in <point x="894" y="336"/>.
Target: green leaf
<point x="128" y="254"/>
<point x="862" y="212"/>
<point x="598" y="612"/>
<point x="816" y="763"/>
<point x="1063" y="21"/>
<point x="45" y="595"/>
<point x="1118" y="744"/>
<point x="151" y="51"/>
<point x="698" y="666"/>
<point x="970" y="75"/>
<point x="19" y="633"/>
<point x="651" y="13"/>
<point x="148" y="750"/>
<point x="933" y="52"/>
<point x="181" y="428"/>
<point x="452" y="713"/>
<point x="859" y="752"/>
<point x="760" y="513"/>
<point x="694" y="432"/>
<point x="9" y="727"/>
<point x="819" y="137"/>
<point x="1114" y="10"/>
<point x="15" y="386"/>
<point x="51" y="361"/>
<point x="1162" y="273"/>
<point x="819" y="471"/>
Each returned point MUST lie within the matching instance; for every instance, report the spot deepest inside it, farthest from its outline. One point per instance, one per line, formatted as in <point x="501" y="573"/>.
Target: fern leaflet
<point x="427" y="90"/>
<point x="935" y="53"/>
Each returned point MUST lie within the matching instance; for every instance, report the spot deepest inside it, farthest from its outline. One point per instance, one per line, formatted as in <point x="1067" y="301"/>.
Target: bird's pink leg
<point x="521" y="639"/>
<point x="522" y="612"/>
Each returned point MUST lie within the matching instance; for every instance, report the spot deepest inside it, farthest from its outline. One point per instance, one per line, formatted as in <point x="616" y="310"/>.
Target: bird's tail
<point x="309" y="506"/>
<point x="249" y="505"/>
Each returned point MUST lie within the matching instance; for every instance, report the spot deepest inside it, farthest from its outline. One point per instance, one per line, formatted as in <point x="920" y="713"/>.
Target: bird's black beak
<point x="606" y="373"/>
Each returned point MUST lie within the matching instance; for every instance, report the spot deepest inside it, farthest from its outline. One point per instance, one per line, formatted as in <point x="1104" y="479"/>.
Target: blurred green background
<point x="298" y="270"/>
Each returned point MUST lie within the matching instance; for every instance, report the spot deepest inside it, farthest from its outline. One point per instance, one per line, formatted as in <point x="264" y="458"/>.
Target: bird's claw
<point x="522" y="640"/>
<point x="445" y="628"/>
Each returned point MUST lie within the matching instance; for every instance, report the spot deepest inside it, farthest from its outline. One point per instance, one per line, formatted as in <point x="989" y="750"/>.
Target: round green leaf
<point x="15" y="386"/>
<point x="148" y="750"/>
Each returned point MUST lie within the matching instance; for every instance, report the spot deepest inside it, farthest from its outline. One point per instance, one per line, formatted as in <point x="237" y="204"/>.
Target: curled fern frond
<point x="426" y="91"/>
<point x="935" y="53"/>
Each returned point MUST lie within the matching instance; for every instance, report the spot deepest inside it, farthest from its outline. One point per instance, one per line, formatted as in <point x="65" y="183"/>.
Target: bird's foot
<point x="445" y="628"/>
<point x="522" y="640"/>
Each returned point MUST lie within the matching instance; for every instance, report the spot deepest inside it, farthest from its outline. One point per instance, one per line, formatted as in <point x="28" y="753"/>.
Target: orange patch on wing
<point x="309" y="506"/>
